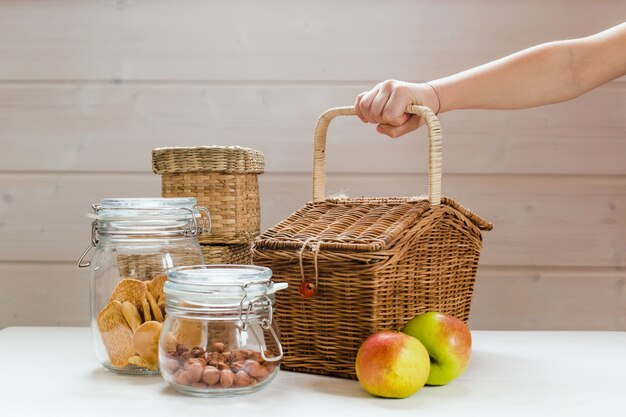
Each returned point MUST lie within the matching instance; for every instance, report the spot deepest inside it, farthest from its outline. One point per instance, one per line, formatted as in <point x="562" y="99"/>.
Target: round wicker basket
<point x="224" y="179"/>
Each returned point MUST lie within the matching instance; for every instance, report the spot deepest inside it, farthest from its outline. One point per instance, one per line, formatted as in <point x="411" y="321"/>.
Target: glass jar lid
<point x="222" y="285"/>
<point x="156" y="217"/>
<point x="146" y="208"/>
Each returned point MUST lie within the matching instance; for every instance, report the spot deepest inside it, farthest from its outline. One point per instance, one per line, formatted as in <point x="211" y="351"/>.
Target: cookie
<point x="155" y="286"/>
<point x="154" y="307"/>
<point x="191" y="333"/>
<point x="142" y="363"/>
<point x="145" y="308"/>
<point x="146" y="341"/>
<point x="116" y="334"/>
<point x="131" y="315"/>
<point x="131" y="290"/>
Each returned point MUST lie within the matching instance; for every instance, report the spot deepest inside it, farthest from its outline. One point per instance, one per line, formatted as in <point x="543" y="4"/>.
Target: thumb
<point x="396" y="131"/>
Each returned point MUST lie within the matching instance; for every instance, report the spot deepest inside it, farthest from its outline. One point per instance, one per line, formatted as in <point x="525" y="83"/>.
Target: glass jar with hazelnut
<point x="220" y="337"/>
<point x="135" y="240"/>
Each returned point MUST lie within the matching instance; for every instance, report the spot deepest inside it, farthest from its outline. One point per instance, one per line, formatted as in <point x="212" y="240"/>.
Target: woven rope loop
<point x="314" y="245"/>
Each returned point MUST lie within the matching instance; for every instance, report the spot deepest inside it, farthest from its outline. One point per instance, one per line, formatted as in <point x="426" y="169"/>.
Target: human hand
<point x="385" y="104"/>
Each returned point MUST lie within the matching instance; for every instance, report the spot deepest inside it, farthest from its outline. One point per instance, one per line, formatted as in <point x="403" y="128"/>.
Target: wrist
<point x="429" y="97"/>
<point x="438" y="97"/>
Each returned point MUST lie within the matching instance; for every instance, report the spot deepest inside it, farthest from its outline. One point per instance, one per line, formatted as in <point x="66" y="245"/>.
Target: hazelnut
<point x="226" y="378"/>
<point x="242" y="379"/>
<point x="180" y="348"/>
<point x="194" y="371"/>
<point x="182" y="377"/>
<point x="255" y="369"/>
<point x="221" y="366"/>
<point x="239" y="355"/>
<point x="257" y="357"/>
<point x="185" y="355"/>
<point x="197" y="352"/>
<point x="226" y="355"/>
<point x="270" y="366"/>
<point x="201" y="361"/>
<point x="218" y="347"/>
<point x="210" y="375"/>
<point x="170" y="365"/>
<point x="237" y="366"/>
<point x="218" y="356"/>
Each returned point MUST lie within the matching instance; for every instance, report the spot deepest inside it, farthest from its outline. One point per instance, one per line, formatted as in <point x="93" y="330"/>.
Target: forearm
<point x="545" y="74"/>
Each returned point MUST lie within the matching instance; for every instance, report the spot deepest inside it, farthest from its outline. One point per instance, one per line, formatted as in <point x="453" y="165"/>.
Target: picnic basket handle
<point x="434" y="150"/>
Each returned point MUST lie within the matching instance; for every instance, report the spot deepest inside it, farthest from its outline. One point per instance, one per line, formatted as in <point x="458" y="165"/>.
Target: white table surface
<point x="53" y="371"/>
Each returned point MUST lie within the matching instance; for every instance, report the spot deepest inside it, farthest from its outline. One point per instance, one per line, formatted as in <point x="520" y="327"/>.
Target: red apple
<point x="448" y="342"/>
<point x="391" y="364"/>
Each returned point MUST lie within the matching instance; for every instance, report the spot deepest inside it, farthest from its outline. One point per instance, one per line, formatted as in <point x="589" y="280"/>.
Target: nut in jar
<point x="219" y="337"/>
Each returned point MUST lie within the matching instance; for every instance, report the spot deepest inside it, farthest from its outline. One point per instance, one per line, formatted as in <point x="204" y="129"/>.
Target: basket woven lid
<point x="226" y="159"/>
<point x="354" y="225"/>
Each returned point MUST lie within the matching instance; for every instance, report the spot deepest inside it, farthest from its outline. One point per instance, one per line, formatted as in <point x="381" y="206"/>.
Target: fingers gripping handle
<point x="434" y="150"/>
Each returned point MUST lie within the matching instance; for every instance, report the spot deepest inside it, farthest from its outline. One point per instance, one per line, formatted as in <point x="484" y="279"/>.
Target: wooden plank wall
<point x="87" y="89"/>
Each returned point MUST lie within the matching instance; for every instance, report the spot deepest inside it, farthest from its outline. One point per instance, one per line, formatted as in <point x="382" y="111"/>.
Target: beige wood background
<point x="87" y="89"/>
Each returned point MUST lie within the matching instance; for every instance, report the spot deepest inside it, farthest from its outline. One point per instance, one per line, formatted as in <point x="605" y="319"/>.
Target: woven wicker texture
<point x="222" y="179"/>
<point x="227" y="254"/>
<point x="146" y="267"/>
<point x="226" y="159"/>
<point x="377" y="262"/>
<point x="232" y="199"/>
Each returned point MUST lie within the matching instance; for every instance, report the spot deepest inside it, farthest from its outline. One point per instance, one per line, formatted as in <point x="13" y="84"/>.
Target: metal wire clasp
<point x="195" y="229"/>
<point x="206" y="221"/>
<point x="94" y="242"/>
<point x="94" y="239"/>
<point x="267" y="326"/>
<point x="266" y="323"/>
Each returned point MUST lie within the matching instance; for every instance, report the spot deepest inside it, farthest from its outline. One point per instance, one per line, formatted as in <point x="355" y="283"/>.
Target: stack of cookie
<point x="130" y="324"/>
<point x="224" y="179"/>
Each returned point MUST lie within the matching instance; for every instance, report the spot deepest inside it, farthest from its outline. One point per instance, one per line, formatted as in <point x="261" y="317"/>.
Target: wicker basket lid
<point x="355" y="225"/>
<point x="226" y="159"/>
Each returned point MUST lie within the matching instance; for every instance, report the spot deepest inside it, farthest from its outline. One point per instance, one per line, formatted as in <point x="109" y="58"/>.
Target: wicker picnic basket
<point x="377" y="262"/>
<point x="224" y="179"/>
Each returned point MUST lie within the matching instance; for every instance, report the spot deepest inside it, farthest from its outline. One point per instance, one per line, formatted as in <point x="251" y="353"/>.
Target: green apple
<point x="392" y="365"/>
<point x="448" y="342"/>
